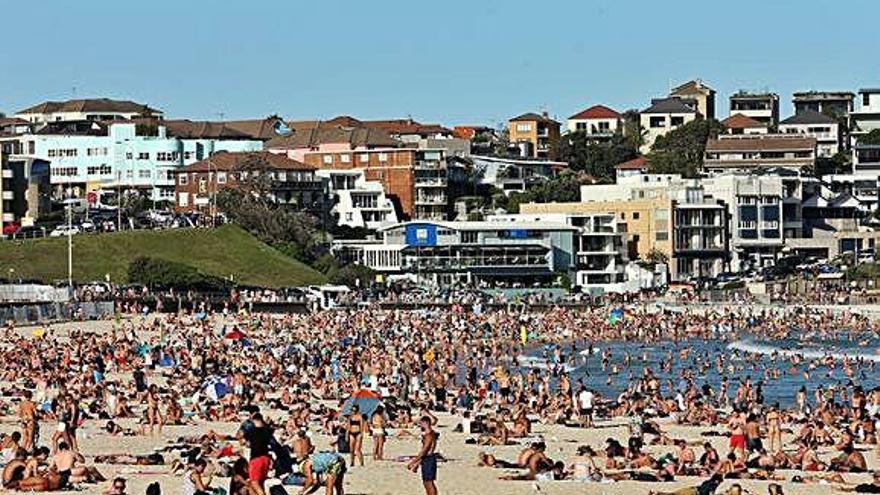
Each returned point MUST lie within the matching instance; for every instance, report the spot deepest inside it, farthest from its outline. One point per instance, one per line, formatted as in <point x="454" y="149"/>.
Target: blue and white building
<point x="122" y="155"/>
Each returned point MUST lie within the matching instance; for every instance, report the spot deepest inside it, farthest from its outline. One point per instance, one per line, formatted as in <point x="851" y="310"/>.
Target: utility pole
<point x="69" y="242"/>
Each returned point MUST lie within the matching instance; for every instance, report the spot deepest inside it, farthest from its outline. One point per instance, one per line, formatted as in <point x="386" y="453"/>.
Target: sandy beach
<point x="459" y="474"/>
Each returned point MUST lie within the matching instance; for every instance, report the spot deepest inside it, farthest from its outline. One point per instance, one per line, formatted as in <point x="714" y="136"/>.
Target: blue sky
<point x="452" y="62"/>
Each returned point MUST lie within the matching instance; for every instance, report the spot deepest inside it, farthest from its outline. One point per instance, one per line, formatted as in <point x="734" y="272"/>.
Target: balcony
<point x="437" y="200"/>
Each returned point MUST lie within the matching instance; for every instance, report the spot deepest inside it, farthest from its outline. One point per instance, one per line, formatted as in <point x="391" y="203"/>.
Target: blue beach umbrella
<point x="366" y="400"/>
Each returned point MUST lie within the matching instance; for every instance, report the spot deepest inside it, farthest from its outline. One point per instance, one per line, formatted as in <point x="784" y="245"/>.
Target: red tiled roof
<point x="740" y="121"/>
<point x="597" y="112"/>
<point x="634" y="164"/>
<point x="228" y="160"/>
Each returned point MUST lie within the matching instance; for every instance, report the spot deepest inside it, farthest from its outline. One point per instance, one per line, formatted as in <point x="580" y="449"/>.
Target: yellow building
<point x="534" y="133"/>
<point x="647" y="221"/>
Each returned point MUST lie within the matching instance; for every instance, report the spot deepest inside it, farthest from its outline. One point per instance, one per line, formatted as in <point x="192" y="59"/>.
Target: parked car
<point x="64" y="229"/>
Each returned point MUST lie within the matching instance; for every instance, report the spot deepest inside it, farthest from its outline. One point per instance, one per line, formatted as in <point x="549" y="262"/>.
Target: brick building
<point x="293" y="183"/>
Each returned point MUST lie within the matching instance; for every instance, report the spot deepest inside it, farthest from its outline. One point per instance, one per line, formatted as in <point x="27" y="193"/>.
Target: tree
<point x="583" y="153"/>
<point x="681" y="150"/>
<point x="251" y="205"/>
<point x="565" y="187"/>
<point x="872" y="137"/>
<point x="164" y="273"/>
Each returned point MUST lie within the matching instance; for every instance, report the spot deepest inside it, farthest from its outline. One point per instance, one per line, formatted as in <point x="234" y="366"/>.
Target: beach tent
<point x="615" y="316"/>
<point x="366" y="400"/>
<point x="235" y="335"/>
<point x="215" y="388"/>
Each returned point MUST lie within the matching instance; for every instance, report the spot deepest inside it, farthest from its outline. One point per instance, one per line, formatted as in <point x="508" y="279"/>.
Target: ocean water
<point x="779" y="364"/>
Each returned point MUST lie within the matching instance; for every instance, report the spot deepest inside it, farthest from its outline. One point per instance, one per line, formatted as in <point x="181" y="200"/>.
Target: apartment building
<point x="824" y="129"/>
<point x="292" y="184"/>
<point x="699" y="92"/>
<point x="598" y="122"/>
<point x="514" y="174"/>
<point x="92" y="109"/>
<point x="756" y="217"/>
<point x="646" y="220"/>
<point x="832" y="103"/>
<point x="762" y="107"/>
<point x="120" y="155"/>
<point x="358" y="203"/>
<point x="751" y="152"/>
<point x="700" y="246"/>
<point x="663" y="116"/>
<point x="533" y="134"/>
<point x="24" y="183"/>
<point x="415" y="179"/>
<point x="866" y="117"/>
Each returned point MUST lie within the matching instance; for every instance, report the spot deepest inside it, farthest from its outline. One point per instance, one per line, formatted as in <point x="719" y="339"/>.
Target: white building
<point x="762" y="107"/>
<point x="824" y="129"/>
<point x="94" y="156"/>
<point x="866" y="117"/>
<point x="665" y="115"/>
<point x="359" y="203"/>
<point x="597" y="122"/>
<point x="94" y="109"/>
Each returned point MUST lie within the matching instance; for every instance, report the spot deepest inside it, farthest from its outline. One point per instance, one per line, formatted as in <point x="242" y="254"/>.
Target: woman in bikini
<point x="377" y="429"/>
<point x="357" y="425"/>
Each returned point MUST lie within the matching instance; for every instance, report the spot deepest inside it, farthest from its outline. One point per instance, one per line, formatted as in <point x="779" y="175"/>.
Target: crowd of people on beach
<point x="352" y="374"/>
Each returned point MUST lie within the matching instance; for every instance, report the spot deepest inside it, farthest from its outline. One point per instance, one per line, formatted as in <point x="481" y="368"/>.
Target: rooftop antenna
<point x="73" y="92"/>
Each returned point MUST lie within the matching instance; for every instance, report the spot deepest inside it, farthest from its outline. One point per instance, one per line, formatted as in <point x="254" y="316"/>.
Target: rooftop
<point x="822" y="95"/>
<point x="635" y="164"/>
<point x="597" y="112"/>
<point x="808" y="117"/>
<point x="692" y="86"/>
<point x="305" y="136"/>
<point x="671" y="105"/>
<point x="533" y="117"/>
<point x="740" y="121"/>
<point x="484" y="225"/>
<point x="228" y="161"/>
<point x="91" y="105"/>
<point x="761" y="142"/>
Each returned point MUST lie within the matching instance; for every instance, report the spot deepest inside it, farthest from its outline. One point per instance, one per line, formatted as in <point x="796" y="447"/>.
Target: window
<point x="166" y="156"/>
<point x="345" y="158"/>
<point x="604" y="126"/>
<point x="188" y="155"/>
<point x="144" y="174"/>
<point x="866" y="99"/>
<point x="328" y="159"/>
<point x="129" y="155"/>
<point x="623" y="215"/>
<point x="383" y="157"/>
<point x="580" y="126"/>
<point x="183" y="199"/>
<point x="636" y="215"/>
<point x="181" y="179"/>
<point x="662" y="236"/>
<point x="747" y="224"/>
<point x="221" y="177"/>
<point x="143" y="155"/>
<point x="468" y="237"/>
<point x="523" y="127"/>
<point x="364" y="158"/>
<point x="96" y="151"/>
<point x="677" y="121"/>
<point x="657" y="122"/>
<point x="99" y="170"/>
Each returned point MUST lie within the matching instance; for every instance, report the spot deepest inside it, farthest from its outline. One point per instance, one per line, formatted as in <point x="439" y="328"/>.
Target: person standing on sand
<point x="27" y="414"/>
<point x="427" y="458"/>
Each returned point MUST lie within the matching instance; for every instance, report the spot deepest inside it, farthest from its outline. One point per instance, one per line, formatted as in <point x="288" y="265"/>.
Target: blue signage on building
<point x="421" y="234"/>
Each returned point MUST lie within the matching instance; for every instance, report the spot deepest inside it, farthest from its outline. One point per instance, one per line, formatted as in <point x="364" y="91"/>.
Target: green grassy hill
<point x="221" y="252"/>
